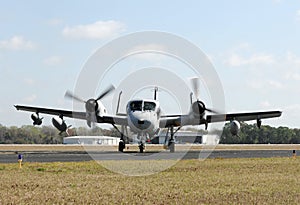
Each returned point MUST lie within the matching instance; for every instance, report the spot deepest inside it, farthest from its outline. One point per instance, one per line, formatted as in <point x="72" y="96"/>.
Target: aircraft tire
<point x="121" y="146"/>
<point x="141" y="147"/>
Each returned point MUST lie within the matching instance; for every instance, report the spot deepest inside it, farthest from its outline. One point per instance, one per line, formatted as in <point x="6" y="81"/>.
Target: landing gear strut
<point x="171" y="142"/>
<point x="172" y="146"/>
<point x="123" y="138"/>
<point x="141" y="138"/>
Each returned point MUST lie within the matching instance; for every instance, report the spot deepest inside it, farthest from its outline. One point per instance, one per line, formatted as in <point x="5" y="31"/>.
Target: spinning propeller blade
<point x="195" y="86"/>
<point x="212" y="111"/>
<point x="196" y="91"/>
<point x="70" y="95"/>
<point x="107" y="91"/>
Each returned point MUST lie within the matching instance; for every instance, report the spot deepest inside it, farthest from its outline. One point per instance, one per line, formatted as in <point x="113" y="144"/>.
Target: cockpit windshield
<point x="136" y="105"/>
<point x="149" y="106"/>
<point x="139" y="105"/>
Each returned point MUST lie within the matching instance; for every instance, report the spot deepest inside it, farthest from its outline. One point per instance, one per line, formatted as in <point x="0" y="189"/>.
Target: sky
<point x="253" y="45"/>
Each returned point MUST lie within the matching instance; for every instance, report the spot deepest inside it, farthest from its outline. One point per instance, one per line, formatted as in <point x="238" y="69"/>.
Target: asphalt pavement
<point x="44" y="156"/>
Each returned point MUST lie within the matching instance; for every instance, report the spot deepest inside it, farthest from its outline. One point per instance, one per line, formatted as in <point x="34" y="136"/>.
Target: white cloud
<point x="244" y="55"/>
<point x="293" y="59"/>
<point x="255" y="84"/>
<point x="53" y="60"/>
<point x="292" y="76"/>
<point x="28" y="81"/>
<point x="265" y="104"/>
<point x="275" y="84"/>
<point x="265" y="84"/>
<point x="243" y="46"/>
<point x="30" y="99"/>
<point x="291" y="64"/>
<point x="97" y="30"/>
<point x="236" y="60"/>
<point x="290" y="116"/>
<point x="17" y="43"/>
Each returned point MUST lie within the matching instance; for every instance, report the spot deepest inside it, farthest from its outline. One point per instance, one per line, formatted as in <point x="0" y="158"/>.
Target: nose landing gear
<point x="141" y="147"/>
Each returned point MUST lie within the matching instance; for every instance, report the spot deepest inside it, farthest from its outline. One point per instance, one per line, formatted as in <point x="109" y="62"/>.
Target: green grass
<point x="213" y="181"/>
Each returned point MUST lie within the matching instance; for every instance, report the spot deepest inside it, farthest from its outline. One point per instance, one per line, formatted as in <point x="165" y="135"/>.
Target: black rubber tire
<point x="121" y="146"/>
<point x="141" y="147"/>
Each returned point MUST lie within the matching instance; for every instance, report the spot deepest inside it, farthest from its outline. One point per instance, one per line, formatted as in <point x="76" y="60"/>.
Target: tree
<point x="249" y="134"/>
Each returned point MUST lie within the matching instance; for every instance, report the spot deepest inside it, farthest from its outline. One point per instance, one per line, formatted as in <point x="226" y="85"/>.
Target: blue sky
<point x="254" y="46"/>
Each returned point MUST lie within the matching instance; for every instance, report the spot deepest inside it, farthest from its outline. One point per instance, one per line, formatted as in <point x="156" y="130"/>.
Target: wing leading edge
<point x="247" y="116"/>
<point x="120" y="120"/>
<point x="182" y="120"/>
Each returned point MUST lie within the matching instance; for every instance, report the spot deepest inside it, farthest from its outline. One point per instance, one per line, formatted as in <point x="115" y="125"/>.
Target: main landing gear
<point x="123" y="138"/>
<point x="170" y="141"/>
<point x="121" y="146"/>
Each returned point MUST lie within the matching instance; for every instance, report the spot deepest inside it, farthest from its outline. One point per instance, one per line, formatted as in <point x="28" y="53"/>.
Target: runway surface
<point x="44" y="156"/>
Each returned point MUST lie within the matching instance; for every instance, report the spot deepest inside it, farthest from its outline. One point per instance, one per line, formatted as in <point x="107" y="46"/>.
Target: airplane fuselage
<point x="143" y="116"/>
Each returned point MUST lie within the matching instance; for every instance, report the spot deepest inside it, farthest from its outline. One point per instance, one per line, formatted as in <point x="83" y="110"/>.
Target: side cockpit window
<point x="149" y="106"/>
<point x="136" y="106"/>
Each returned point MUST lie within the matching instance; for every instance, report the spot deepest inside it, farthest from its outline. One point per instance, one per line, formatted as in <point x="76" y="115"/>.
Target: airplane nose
<point x="143" y="124"/>
<point x="140" y="120"/>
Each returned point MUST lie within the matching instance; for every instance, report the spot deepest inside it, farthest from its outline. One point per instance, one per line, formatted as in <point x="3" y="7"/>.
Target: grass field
<point x="213" y="181"/>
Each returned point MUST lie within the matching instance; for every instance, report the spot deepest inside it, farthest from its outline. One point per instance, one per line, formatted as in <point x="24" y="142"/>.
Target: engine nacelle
<point x="95" y="107"/>
<point x="198" y="109"/>
<point x="36" y="119"/>
<point x="235" y="127"/>
<point x="59" y="124"/>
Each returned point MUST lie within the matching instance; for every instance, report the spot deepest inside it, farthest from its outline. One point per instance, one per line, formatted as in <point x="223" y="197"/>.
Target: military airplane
<point x="144" y="117"/>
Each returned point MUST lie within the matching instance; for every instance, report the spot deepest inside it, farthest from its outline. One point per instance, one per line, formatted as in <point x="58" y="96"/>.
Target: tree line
<point x="249" y="134"/>
<point x="28" y="134"/>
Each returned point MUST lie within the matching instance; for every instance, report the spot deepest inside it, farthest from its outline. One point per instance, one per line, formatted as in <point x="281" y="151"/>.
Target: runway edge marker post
<point x="20" y="159"/>
<point x="294" y="154"/>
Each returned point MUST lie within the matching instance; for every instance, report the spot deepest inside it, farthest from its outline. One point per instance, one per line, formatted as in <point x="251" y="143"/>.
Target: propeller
<point x="107" y="91"/>
<point x="212" y="111"/>
<point x="70" y="95"/>
<point x="91" y="105"/>
<point x="195" y="86"/>
<point x="196" y="91"/>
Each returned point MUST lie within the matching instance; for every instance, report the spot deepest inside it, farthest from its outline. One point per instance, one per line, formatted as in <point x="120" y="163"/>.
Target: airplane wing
<point x="119" y="120"/>
<point x="182" y="120"/>
<point x="247" y="116"/>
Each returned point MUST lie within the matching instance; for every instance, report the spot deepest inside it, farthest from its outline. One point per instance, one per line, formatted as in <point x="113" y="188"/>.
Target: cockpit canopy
<point x="140" y="105"/>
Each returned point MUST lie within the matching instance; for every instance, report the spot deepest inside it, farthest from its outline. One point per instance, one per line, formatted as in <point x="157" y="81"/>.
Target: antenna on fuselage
<point x="155" y="92"/>
<point x="118" y="105"/>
